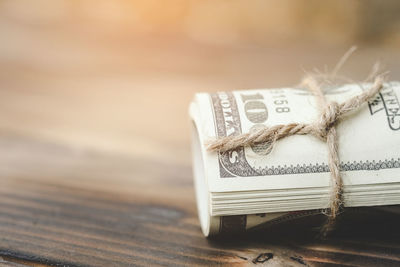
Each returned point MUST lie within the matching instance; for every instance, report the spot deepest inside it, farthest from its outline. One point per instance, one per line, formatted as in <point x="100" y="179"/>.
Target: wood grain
<point x="95" y="150"/>
<point x="49" y="217"/>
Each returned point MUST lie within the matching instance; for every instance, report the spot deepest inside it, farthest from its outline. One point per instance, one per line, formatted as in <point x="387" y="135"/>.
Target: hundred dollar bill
<point x="295" y="174"/>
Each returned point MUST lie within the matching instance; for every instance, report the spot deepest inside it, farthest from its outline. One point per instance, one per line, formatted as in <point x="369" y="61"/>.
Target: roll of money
<point x="249" y="186"/>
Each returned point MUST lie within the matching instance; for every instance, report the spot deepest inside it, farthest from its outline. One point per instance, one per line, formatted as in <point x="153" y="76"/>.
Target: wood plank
<point x="47" y="220"/>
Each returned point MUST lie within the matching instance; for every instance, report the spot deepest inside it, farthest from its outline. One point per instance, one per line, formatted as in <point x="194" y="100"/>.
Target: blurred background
<point x="117" y="76"/>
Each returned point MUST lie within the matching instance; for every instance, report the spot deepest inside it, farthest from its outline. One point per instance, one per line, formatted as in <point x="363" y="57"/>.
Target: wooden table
<point x="95" y="150"/>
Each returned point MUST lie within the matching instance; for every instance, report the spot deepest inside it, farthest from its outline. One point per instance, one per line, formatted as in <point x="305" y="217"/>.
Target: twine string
<point x="324" y="128"/>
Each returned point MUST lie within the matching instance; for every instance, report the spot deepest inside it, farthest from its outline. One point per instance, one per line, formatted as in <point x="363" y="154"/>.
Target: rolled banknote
<point x="249" y="186"/>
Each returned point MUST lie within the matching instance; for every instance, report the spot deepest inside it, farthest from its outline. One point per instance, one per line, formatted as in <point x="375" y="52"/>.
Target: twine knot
<point x="328" y="119"/>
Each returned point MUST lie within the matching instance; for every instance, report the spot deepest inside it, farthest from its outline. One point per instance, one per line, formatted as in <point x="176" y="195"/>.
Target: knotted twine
<point x="323" y="128"/>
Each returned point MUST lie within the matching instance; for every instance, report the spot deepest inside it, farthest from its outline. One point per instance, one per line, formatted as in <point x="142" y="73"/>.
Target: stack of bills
<point x="249" y="186"/>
